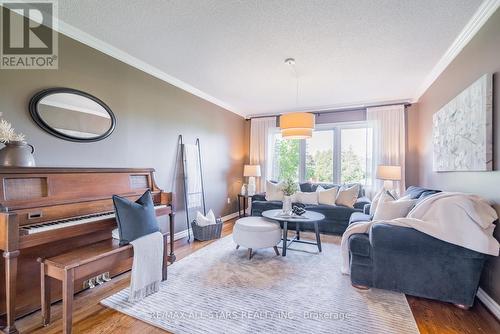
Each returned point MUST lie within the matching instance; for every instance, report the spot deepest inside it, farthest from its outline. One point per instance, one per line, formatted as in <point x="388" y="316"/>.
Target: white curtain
<point x="261" y="147"/>
<point x="389" y="141"/>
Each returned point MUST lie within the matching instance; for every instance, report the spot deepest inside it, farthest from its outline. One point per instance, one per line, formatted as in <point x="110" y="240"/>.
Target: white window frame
<point x="337" y="148"/>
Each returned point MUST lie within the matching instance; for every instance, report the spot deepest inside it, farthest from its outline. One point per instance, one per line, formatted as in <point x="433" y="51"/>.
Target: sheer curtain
<point x="261" y="147"/>
<point x="389" y="141"/>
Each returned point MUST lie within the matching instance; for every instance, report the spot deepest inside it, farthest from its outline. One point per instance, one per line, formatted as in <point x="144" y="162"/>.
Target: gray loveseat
<point x="336" y="216"/>
<point x="405" y="260"/>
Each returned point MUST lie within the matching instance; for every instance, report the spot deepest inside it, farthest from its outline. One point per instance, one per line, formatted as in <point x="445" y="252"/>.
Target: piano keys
<point x="56" y="224"/>
<point x="48" y="211"/>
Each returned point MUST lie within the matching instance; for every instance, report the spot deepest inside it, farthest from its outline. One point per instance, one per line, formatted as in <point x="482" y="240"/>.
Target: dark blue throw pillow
<point x="135" y="219"/>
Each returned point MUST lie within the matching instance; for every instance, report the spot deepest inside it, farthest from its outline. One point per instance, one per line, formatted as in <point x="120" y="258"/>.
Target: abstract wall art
<point x="463" y="130"/>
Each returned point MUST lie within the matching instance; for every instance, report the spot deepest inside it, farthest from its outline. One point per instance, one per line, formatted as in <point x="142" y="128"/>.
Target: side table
<point x="245" y="199"/>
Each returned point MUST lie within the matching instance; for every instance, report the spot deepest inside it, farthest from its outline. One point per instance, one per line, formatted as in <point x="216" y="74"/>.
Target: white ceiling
<point x="231" y="52"/>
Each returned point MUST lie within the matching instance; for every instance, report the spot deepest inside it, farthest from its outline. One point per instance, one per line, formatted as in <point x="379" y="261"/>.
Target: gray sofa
<point x="405" y="260"/>
<point x="336" y="216"/>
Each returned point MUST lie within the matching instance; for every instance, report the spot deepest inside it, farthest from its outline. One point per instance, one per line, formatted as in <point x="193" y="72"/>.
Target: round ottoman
<point x="256" y="232"/>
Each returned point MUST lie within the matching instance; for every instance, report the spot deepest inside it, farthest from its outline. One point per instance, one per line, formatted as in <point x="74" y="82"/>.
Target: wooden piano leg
<point x="10" y="290"/>
<point x="171" y="257"/>
<point x="45" y="294"/>
<point x="67" y="296"/>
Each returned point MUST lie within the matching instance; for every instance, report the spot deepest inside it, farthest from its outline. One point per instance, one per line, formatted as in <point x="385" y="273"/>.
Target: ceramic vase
<point x="17" y="154"/>
<point x="287" y="204"/>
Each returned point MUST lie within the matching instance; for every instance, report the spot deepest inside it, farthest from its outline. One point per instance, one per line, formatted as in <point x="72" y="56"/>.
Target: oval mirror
<point x="72" y="115"/>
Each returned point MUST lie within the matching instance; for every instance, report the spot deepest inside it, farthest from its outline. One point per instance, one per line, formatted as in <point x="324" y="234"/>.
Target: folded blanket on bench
<point x="460" y="219"/>
<point x="147" y="266"/>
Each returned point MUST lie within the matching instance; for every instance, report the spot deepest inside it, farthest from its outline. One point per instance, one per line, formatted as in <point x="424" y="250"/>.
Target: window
<point x="319" y="157"/>
<point x="334" y="154"/>
<point x="285" y="159"/>
<point x="355" y="154"/>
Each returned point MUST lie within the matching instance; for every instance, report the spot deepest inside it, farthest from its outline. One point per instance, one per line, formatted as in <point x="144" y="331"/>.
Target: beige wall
<point x="150" y="115"/>
<point x="480" y="56"/>
<point x="412" y="142"/>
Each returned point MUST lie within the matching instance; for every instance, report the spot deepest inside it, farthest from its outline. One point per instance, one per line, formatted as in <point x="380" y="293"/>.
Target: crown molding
<point x="108" y="49"/>
<point x="336" y="107"/>
<point x="480" y="17"/>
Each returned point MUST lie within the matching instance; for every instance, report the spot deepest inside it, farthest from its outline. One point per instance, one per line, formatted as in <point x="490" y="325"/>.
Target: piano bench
<point x="80" y="263"/>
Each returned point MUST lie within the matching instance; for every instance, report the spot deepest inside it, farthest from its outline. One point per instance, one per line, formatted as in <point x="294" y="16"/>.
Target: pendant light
<point x="296" y="125"/>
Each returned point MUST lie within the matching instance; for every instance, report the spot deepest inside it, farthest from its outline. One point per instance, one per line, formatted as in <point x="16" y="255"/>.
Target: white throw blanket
<point x="147" y="266"/>
<point x="460" y="219"/>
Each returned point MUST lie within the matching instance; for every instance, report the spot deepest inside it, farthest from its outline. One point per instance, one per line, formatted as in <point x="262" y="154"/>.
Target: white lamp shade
<point x="251" y="170"/>
<point x="296" y="133"/>
<point x="298" y="125"/>
<point x="392" y="173"/>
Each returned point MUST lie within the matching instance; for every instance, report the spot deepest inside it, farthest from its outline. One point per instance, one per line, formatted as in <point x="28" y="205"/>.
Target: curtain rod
<point x="331" y="111"/>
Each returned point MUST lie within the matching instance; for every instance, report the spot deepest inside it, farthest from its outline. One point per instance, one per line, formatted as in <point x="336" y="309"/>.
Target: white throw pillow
<point x="202" y="220"/>
<point x="390" y="209"/>
<point x="405" y="198"/>
<point x="306" y="197"/>
<point x="380" y="196"/>
<point x="274" y="191"/>
<point x="327" y="196"/>
<point x="347" y="196"/>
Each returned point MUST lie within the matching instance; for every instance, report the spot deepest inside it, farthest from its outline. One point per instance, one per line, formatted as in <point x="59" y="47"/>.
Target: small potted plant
<point x="16" y="151"/>
<point x="289" y="189"/>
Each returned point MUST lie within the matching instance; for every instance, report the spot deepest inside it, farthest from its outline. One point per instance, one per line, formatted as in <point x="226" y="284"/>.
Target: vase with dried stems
<point x="16" y="153"/>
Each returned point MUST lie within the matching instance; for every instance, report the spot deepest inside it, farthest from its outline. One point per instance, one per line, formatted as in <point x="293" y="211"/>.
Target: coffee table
<point x="309" y="217"/>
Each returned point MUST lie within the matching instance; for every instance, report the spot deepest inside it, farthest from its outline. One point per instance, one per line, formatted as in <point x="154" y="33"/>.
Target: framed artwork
<point x="463" y="130"/>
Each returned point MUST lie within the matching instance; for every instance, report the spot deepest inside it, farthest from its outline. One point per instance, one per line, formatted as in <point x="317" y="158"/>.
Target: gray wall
<point x="342" y="116"/>
<point x="480" y="56"/>
<point x="150" y="115"/>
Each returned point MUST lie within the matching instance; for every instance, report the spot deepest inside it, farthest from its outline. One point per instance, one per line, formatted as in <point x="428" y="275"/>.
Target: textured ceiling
<point x="347" y="52"/>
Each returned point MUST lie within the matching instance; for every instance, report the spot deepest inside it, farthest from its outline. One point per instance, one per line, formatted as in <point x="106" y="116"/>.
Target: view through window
<point x="319" y="157"/>
<point x="340" y="154"/>
<point x="355" y="155"/>
<point x="286" y="158"/>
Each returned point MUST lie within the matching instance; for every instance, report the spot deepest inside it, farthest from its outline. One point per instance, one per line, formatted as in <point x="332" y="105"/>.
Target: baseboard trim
<point x="230" y="216"/>
<point x="184" y="233"/>
<point x="489" y="302"/>
<point x="181" y="234"/>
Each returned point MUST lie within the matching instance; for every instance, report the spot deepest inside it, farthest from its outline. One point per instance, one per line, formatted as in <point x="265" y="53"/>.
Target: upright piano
<point x="49" y="211"/>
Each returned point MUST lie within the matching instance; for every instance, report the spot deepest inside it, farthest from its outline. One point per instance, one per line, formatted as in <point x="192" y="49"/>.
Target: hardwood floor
<point x="91" y="317"/>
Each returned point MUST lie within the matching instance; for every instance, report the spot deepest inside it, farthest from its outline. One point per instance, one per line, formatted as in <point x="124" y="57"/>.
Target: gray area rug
<point x="218" y="290"/>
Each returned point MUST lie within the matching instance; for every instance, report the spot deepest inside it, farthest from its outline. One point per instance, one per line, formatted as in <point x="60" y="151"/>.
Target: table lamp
<point x="251" y="171"/>
<point x="389" y="174"/>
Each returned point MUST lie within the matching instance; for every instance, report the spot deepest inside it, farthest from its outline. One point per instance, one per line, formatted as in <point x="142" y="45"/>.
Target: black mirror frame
<point x="33" y="109"/>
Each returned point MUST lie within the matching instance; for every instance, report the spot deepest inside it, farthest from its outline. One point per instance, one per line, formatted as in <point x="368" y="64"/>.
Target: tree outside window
<point x="287" y="158"/>
<point x="341" y="154"/>
<point x="352" y="170"/>
<point x="319" y="157"/>
<point x="355" y="146"/>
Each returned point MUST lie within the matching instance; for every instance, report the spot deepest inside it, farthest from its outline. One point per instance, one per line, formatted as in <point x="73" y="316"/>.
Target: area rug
<point x="219" y="290"/>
